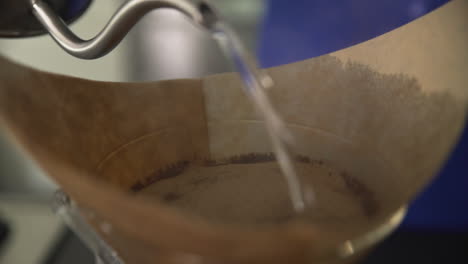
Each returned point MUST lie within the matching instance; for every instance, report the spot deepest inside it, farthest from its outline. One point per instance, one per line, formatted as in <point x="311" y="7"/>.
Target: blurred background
<point x="165" y="45"/>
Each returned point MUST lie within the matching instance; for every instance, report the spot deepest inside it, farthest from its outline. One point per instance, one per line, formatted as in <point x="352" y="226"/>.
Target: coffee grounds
<point x="250" y="190"/>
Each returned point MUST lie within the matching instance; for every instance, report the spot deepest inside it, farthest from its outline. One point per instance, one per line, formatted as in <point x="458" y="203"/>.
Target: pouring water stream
<point x="256" y="83"/>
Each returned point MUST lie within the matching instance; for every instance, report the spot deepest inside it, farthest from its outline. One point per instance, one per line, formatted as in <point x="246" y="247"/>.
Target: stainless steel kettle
<point x="22" y="18"/>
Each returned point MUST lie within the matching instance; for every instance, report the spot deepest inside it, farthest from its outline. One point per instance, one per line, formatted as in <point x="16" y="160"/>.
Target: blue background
<point x="298" y="30"/>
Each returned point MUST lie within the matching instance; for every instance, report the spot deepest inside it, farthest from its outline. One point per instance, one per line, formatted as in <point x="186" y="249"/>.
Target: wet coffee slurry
<point x="249" y="190"/>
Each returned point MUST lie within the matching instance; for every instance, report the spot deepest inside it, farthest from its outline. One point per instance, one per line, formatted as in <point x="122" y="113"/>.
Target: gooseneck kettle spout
<point x="199" y="12"/>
